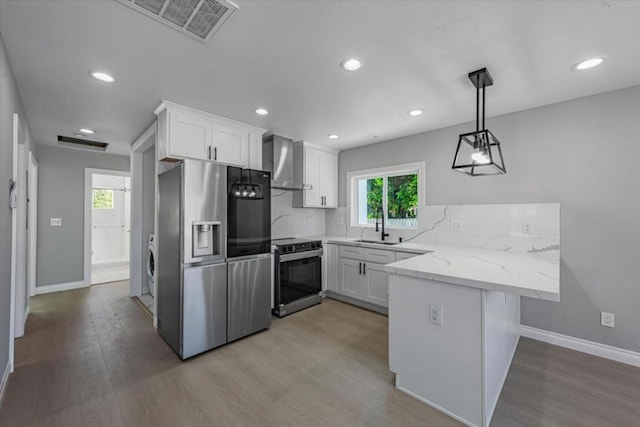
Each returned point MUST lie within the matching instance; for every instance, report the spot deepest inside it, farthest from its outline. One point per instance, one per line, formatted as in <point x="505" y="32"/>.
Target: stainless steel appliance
<point x="298" y="276"/>
<point x="191" y="262"/>
<point x="206" y="299"/>
<point x="248" y="251"/>
<point x="277" y="158"/>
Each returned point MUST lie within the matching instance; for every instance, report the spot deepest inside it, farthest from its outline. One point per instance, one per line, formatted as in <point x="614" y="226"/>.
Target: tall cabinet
<point x="184" y="132"/>
<point x="319" y="172"/>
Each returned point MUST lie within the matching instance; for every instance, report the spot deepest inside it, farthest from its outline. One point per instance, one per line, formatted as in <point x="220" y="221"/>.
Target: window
<point x="395" y="191"/>
<point x="102" y="199"/>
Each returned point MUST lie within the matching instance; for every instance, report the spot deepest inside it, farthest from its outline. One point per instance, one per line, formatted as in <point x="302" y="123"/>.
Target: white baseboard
<point x="60" y="287"/>
<point x="602" y="350"/>
<point x="4" y="381"/>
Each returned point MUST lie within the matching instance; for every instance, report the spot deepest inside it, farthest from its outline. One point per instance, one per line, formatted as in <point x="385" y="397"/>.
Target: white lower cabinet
<point x="362" y="279"/>
<point x="350" y="279"/>
<point x="376" y="284"/>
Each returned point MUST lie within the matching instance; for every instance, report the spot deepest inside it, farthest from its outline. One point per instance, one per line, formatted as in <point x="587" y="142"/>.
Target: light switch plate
<point x="55" y="222"/>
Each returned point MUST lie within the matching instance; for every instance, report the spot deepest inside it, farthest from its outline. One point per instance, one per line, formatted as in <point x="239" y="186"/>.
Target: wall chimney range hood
<point x="277" y="158"/>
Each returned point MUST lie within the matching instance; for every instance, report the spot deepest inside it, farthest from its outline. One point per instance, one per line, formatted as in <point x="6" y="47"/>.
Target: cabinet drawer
<point x="405" y="255"/>
<point x="379" y="256"/>
<point x="350" y="252"/>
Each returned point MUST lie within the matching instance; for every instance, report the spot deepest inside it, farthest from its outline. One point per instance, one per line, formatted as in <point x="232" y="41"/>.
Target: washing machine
<point x="151" y="263"/>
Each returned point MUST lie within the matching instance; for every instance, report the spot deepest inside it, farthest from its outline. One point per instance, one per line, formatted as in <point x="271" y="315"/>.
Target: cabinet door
<point x="350" y="278"/>
<point x="329" y="179"/>
<point x="376" y="284"/>
<point x="189" y="136"/>
<point x="230" y="145"/>
<point x="312" y="176"/>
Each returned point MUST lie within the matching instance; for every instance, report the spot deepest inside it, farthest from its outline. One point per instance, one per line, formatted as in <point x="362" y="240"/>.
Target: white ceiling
<point x="285" y="56"/>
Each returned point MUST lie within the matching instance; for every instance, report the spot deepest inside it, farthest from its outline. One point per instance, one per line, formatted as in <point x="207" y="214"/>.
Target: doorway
<point x="107" y="215"/>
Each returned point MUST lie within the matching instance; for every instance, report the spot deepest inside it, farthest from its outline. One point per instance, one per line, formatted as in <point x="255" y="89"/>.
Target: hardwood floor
<point x="90" y="357"/>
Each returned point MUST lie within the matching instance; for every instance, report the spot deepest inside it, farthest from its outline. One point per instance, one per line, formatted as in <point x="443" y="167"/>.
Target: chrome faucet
<point x="383" y="234"/>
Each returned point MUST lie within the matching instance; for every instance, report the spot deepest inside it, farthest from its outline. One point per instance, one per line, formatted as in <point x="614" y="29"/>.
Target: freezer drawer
<point x="249" y="296"/>
<point x="205" y="308"/>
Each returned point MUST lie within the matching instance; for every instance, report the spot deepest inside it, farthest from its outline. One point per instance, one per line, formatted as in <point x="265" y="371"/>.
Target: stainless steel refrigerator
<point x="203" y="301"/>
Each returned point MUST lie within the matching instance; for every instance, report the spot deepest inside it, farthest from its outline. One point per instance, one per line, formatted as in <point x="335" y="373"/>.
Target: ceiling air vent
<point x="199" y="19"/>
<point x="83" y="144"/>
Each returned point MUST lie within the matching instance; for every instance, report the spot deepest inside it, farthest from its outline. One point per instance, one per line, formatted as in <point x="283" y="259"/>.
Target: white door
<point x="329" y="177"/>
<point x="230" y="145"/>
<point x="110" y="228"/>
<point x="19" y="265"/>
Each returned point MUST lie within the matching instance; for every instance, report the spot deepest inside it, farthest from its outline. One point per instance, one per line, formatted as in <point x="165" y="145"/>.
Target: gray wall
<point x="581" y="153"/>
<point x="9" y="103"/>
<point x="61" y="195"/>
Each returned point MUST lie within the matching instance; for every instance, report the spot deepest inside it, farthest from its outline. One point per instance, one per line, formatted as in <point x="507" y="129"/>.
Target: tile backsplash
<point x="287" y="221"/>
<point x="520" y="228"/>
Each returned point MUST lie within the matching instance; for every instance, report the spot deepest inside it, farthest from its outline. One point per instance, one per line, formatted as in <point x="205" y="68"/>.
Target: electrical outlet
<point x="435" y="314"/>
<point x="607" y="319"/>
<point x="456" y="225"/>
<point x="526" y="228"/>
<point x="55" y="222"/>
<point x="340" y="221"/>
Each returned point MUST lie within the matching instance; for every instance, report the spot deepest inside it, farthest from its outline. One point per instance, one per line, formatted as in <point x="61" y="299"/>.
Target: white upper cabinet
<point x="319" y="172"/>
<point x="188" y="133"/>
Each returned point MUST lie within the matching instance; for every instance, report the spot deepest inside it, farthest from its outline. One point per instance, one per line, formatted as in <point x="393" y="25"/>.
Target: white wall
<point x="582" y="154"/>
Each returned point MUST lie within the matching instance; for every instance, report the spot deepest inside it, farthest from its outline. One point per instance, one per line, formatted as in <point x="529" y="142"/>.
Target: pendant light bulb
<point x="480" y="158"/>
<point x="252" y="194"/>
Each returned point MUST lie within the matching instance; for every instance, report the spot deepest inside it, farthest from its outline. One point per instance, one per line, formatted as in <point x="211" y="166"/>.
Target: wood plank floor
<point x="90" y="357"/>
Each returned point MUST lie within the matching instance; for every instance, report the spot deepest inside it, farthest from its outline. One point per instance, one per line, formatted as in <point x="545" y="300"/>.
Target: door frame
<point x="88" y="186"/>
<point x="139" y="242"/>
<point x="32" y="231"/>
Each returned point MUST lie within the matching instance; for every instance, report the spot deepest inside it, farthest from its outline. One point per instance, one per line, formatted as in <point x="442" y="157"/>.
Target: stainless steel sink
<point x="377" y="242"/>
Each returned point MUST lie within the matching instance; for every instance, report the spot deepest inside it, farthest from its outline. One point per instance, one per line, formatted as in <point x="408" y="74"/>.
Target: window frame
<point x="386" y="171"/>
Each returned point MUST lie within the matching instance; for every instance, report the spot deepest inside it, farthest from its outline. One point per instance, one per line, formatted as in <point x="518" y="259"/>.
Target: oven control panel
<point x="299" y="247"/>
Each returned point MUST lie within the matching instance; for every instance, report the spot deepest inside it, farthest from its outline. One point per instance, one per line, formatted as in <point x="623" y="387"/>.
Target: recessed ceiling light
<point x="103" y="77"/>
<point x="351" y="64"/>
<point x="261" y="111"/>
<point x="588" y="63"/>
<point x="87" y="131"/>
<point x="333" y="136"/>
<point x="416" y="112"/>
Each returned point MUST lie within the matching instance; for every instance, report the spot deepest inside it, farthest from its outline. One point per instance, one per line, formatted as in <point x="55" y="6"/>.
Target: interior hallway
<point x="91" y="357"/>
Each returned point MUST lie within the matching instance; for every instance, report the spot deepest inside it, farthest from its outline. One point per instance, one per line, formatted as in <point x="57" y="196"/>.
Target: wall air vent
<point x="83" y="144"/>
<point x="199" y="19"/>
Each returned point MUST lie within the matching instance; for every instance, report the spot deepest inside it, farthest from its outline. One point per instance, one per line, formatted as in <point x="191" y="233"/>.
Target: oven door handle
<point x="300" y="255"/>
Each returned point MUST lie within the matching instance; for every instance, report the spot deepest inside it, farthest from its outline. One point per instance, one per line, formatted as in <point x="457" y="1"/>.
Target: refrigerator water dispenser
<point x="206" y="238"/>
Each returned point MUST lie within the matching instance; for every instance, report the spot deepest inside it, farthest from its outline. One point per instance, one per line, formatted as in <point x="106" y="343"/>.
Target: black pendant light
<point x="479" y="152"/>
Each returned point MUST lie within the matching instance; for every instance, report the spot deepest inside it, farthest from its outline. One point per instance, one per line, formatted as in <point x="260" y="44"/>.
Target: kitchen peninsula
<point x="454" y="323"/>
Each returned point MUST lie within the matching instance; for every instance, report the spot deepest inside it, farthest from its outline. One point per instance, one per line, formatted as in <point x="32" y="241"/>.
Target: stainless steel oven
<point x="298" y="275"/>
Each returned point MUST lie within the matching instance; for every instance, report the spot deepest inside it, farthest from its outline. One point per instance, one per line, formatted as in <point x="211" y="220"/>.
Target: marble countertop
<point x="529" y="275"/>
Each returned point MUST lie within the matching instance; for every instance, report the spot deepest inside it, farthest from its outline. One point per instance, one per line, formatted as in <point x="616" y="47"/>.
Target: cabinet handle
<point x="209" y="152"/>
<point x="364" y="268"/>
<point x="359" y="268"/>
<point x="215" y="153"/>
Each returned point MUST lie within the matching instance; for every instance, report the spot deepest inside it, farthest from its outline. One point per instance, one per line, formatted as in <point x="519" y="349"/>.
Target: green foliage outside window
<point x="402" y="196"/>
<point x="102" y="199"/>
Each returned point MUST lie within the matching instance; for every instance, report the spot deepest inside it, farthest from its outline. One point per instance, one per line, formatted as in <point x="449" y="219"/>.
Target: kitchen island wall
<point x="580" y="153"/>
